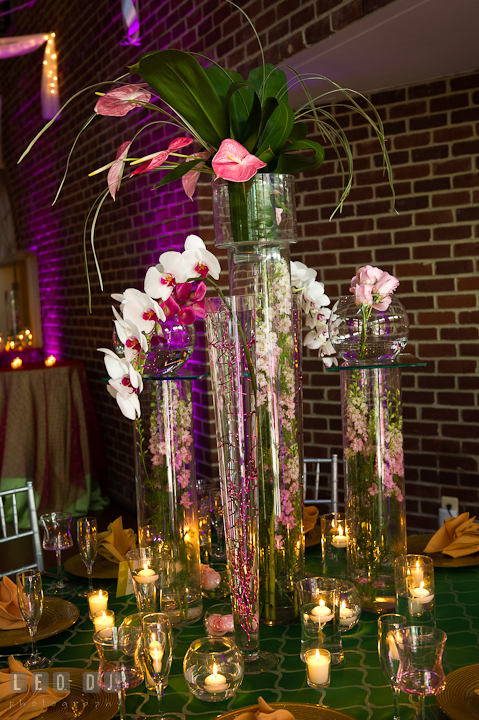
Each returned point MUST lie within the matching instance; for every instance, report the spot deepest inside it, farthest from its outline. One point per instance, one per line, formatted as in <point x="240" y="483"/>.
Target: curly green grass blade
<point x="101" y="198"/>
<point x="62" y="182"/>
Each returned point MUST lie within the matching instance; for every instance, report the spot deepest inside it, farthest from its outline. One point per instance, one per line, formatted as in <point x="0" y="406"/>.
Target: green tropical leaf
<point x="245" y="126"/>
<point x="296" y="163"/>
<point x="178" y="172"/>
<point x="299" y="132"/>
<point x="276" y="132"/>
<point x="183" y="84"/>
<point x="269" y="81"/>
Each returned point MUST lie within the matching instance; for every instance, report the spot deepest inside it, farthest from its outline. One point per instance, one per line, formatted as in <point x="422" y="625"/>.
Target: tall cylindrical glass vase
<point x="256" y="221"/>
<point x="166" y="491"/>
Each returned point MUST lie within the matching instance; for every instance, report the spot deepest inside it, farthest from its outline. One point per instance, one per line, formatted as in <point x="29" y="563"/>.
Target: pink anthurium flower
<point x="234" y="162"/>
<point x="190" y="179"/>
<point x="120" y="101"/>
<point x="160" y="157"/>
<point x="199" y="262"/>
<point x="116" y="171"/>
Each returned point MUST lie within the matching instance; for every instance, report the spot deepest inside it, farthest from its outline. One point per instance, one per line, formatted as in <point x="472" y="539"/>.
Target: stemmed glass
<point x="120" y="666"/>
<point x="57" y="537"/>
<point x="30" y="602"/>
<point x="420" y="671"/>
<point x="388" y="625"/>
<point x="157" y="653"/>
<point x="87" y="539"/>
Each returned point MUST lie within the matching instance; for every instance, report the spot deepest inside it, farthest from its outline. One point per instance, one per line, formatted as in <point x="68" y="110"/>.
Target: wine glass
<point x="87" y="539"/>
<point x="420" y="671"/>
<point x="120" y="665"/>
<point x="57" y="537"/>
<point x="388" y="652"/>
<point x="157" y="653"/>
<point x="30" y="603"/>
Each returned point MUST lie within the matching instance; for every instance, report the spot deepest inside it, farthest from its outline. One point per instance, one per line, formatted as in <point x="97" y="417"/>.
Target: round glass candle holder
<point x="349" y="606"/>
<point x="319" y="611"/>
<point x="414" y="581"/>
<point x="213" y="668"/>
<point x="318" y="668"/>
<point x="219" y="621"/>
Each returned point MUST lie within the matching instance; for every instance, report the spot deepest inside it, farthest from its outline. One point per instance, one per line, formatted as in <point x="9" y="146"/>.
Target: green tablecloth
<point x="358" y="687"/>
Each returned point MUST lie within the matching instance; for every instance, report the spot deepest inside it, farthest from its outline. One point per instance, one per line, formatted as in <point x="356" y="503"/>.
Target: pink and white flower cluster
<point x="315" y="301"/>
<point x="373" y="287"/>
<point x="173" y="450"/>
<point x="173" y="287"/>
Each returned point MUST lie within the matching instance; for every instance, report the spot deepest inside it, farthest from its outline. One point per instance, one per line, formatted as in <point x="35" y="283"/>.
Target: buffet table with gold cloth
<point x="47" y="434"/>
<point x="358" y="687"/>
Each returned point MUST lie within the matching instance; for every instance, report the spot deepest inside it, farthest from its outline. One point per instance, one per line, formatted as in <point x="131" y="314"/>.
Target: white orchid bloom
<point x="328" y="354"/>
<point x="160" y="280"/>
<point x="198" y="260"/>
<point x="301" y="275"/>
<point x="116" y="367"/>
<point x="317" y="337"/>
<point x="130" y="336"/>
<point x="141" y="310"/>
<point x="126" y="398"/>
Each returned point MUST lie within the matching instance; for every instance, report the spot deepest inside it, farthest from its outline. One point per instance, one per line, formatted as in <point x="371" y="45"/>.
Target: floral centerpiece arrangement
<point x="372" y="321"/>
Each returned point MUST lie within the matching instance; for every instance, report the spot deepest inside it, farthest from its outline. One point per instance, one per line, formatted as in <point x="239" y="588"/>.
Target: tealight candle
<point x="103" y="619"/>
<point x="97" y="601"/>
<point x="318" y="664"/>
<point x="345" y="614"/>
<point x="417" y="575"/>
<point x="147" y="575"/>
<point x="215" y="682"/>
<point x="17" y="363"/>
<point x="51" y="360"/>
<point x="321" y="613"/>
<point x="339" y="540"/>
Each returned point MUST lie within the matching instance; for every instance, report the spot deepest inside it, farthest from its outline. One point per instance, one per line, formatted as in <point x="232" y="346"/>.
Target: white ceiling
<point x="406" y="42"/>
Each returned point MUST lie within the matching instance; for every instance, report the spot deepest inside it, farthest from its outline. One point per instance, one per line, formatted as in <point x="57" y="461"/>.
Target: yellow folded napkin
<point x="114" y="543"/>
<point x="17" y="699"/>
<point x="265" y="712"/>
<point x="10" y="615"/>
<point x="310" y="514"/>
<point x="457" y="537"/>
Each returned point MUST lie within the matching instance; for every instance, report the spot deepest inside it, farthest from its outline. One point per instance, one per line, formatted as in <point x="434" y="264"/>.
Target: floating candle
<point x="215" y="682"/>
<point x="339" y="540"/>
<point x="321" y="613"/>
<point x="346" y="615"/>
<point x="147" y="575"/>
<point x="317" y="666"/>
<point x="421" y="594"/>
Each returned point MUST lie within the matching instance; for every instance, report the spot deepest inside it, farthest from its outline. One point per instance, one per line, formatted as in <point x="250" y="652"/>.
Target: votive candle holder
<point x="414" y="582"/>
<point x="318" y="668"/>
<point x="213" y="668"/>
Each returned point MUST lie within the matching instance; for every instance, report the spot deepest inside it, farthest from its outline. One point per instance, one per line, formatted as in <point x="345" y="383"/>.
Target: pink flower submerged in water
<point x="217" y="624"/>
<point x="210" y="579"/>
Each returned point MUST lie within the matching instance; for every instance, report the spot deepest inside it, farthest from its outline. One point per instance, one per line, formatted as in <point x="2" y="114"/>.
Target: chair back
<point x="312" y="472"/>
<point x="9" y="535"/>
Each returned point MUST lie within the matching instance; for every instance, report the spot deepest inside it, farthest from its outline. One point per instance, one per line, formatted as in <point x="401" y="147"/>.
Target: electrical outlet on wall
<point x="450" y="503"/>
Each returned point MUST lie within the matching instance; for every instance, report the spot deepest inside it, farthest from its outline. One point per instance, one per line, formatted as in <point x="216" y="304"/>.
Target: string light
<point x="50" y="77"/>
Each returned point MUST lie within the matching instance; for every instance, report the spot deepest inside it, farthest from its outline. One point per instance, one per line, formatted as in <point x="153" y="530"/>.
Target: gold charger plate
<point x="102" y="568"/>
<point x="301" y="711"/>
<point x="58" y="615"/>
<point x="459" y="700"/>
<point x="98" y="705"/>
<point x="417" y="543"/>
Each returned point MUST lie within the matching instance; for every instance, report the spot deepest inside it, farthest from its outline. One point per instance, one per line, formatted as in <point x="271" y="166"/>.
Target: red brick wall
<point x="430" y="245"/>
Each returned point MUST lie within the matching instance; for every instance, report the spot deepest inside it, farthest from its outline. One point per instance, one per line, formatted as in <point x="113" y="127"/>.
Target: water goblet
<point x="57" y="537"/>
<point x="30" y="603"/>
<point x="388" y="652"/>
<point x="420" y="670"/>
<point x="157" y="653"/>
<point x="87" y="539"/>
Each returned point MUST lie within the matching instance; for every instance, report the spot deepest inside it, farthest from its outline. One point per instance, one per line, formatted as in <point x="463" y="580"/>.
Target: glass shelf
<point x="182" y="375"/>
<point x="404" y="361"/>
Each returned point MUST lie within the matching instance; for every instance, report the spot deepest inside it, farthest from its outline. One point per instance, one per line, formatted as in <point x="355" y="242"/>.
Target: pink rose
<point x="363" y="294"/>
<point x="385" y="284"/>
<point x="367" y="275"/>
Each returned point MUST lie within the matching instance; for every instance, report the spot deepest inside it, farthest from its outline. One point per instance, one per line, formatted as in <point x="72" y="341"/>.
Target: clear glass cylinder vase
<point x="256" y="221"/>
<point x="166" y="492"/>
<point x="374" y="480"/>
